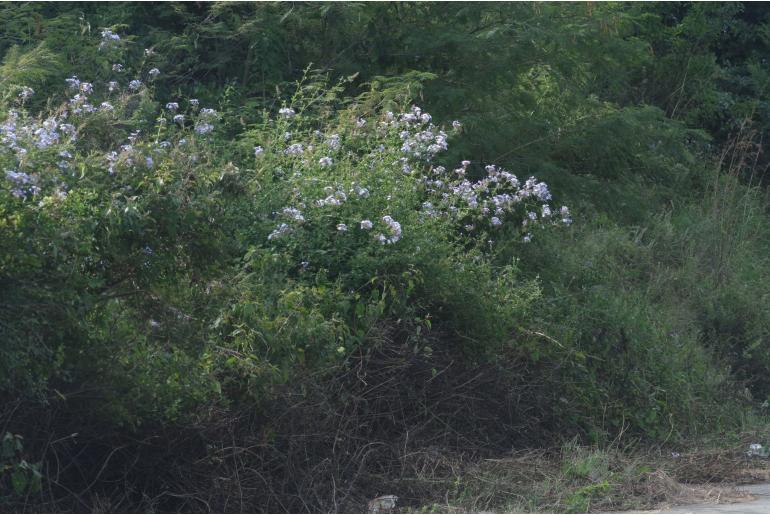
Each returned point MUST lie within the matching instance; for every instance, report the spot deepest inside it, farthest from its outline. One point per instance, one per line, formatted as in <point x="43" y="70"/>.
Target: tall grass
<point x="668" y="316"/>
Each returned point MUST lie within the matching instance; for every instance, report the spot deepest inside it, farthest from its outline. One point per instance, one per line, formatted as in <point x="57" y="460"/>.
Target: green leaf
<point x="19" y="481"/>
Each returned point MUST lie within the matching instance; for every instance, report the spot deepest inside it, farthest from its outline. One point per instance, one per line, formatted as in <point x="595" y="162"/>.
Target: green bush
<point x="169" y="263"/>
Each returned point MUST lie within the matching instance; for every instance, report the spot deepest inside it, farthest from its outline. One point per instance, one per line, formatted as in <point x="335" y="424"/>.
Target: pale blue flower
<point x="26" y="92"/>
<point x="203" y="128"/>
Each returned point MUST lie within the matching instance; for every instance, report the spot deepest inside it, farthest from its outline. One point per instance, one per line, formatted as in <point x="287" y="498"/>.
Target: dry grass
<point x="577" y="479"/>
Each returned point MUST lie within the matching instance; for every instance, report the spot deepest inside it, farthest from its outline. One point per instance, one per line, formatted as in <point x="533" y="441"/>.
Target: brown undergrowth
<point x="400" y="417"/>
<point x="434" y="431"/>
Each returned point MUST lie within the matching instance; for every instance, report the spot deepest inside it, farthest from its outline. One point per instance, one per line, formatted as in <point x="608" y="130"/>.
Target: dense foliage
<point x="233" y="248"/>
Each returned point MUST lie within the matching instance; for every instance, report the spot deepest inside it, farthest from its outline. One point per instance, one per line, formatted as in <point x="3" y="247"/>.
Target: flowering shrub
<point x="105" y="235"/>
<point x="176" y="255"/>
<point x="353" y="179"/>
<point x="364" y="225"/>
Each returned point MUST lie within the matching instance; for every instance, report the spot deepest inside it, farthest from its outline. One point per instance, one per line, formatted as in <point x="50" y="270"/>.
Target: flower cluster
<point x="496" y="201"/>
<point x="20" y="136"/>
<point x="287" y="112"/>
<point x="26" y="92"/>
<point x="109" y="39"/>
<point x="279" y="231"/>
<point x="395" y="176"/>
<point x="293" y="213"/>
<point x="57" y="129"/>
<point x="491" y="201"/>
<point x="394" y="229"/>
<point x="334" y="142"/>
<point x="420" y="138"/>
<point x="334" y="198"/>
<point x="22" y="184"/>
<point x="204" y="124"/>
<point x="294" y="149"/>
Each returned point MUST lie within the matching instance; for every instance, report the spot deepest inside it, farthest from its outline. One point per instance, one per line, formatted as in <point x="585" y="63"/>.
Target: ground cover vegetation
<point x="288" y="256"/>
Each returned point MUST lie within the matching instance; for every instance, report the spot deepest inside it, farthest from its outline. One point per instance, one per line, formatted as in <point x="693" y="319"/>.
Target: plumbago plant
<point x="394" y="159"/>
<point x="366" y="228"/>
<point x="143" y="251"/>
<point x="111" y="225"/>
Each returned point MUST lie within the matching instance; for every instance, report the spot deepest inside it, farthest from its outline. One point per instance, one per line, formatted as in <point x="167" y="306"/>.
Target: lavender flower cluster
<point x="22" y="135"/>
<point x="420" y="138"/>
<point x="205" y="124"/>
<point x="109" y="39"/>
<point x="22" y="184"/>
<point x="494" y="200"/>
<point x="497" y="200"/>
<point x="40" y="134"/>
<point x="402" y="146"/>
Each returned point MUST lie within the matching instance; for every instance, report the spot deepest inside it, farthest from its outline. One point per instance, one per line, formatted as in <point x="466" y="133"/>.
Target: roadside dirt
<point x="745" y="499"/>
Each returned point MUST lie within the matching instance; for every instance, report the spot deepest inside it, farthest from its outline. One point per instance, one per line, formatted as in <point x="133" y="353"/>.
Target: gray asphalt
<point x="759" y="505"/>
